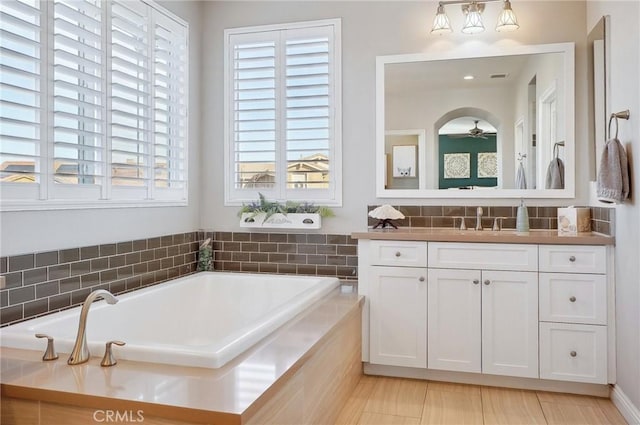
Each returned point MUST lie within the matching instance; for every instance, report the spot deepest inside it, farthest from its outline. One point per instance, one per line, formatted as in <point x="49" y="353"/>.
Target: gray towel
<point x="521" y="178"/>
<point x="555" y="174"/>
<point x="613" y="176"/>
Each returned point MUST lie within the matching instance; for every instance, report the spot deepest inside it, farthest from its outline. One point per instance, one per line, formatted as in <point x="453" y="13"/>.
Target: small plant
<point x="270" y="208"/>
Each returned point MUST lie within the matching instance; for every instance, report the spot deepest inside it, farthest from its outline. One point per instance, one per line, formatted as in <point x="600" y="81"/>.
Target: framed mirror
<point x="494" y="123"/>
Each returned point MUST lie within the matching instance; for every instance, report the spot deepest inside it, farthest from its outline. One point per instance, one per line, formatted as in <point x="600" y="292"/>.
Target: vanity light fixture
<point x="468" y="77"/>
<point x="472" y="10"/>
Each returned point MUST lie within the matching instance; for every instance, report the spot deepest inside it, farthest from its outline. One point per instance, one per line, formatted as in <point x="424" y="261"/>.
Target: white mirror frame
<point x="568" y="51"/>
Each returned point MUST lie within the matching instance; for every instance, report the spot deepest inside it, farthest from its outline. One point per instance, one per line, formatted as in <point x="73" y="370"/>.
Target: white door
<point x="454" y="320"/>
<point x="510" y="323"/>
<point x="398" y="316"/>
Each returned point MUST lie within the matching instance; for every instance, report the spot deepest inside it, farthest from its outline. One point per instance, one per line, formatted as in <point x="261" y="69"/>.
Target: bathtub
<point x="203" y="320"/>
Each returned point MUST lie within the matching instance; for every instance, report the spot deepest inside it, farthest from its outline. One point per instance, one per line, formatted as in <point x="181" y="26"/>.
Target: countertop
<point x="433" y="234"/>
<point x="206" y="395"/>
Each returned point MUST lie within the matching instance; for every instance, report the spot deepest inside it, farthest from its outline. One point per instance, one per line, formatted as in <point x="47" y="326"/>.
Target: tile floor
<point x="395" y="401"/>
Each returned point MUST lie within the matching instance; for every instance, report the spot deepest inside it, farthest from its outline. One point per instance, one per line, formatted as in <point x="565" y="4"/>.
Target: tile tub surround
<point x="44" y="282"/>
<point x="312" y="254"/>
<point x="543" y="218"/>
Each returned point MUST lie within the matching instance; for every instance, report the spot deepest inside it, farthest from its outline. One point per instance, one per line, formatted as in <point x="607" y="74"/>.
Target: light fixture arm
<point x="448" y="2"/>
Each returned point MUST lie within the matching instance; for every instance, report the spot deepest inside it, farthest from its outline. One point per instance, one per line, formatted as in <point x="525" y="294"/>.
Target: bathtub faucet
<point x="80" y="352"/>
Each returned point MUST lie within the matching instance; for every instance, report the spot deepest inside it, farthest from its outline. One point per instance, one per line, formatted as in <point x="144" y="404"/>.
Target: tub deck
<point x="236" y="393"/>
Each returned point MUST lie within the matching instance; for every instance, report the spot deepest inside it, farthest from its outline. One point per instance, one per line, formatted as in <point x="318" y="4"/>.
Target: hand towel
<point x="521" y="178"/>
<point x="613" y="176"/>
<point x="555" y="174"/>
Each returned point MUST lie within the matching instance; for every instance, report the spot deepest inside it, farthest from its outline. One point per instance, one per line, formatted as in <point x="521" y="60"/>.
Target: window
<point x="283" y="113"/>
<point x="93" y="104"/>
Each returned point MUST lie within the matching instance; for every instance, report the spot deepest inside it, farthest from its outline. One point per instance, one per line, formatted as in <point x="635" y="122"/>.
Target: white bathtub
<point x="203" y="320"/>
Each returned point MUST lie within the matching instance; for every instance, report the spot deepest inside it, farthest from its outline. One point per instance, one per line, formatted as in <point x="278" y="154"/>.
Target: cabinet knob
<point x="398" y="253"/>
<point x="572" y="299"/>
<point x="572" y="258"/>
<point x="476" y="281"/>
<point x="487" y="282"/>
<point x="421" y="278"/>
<point x="573" y="354"/>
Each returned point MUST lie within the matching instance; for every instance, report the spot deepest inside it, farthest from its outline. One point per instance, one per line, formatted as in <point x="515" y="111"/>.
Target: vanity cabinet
<point x="573" y="313"/>
<point x="483" y="320"/>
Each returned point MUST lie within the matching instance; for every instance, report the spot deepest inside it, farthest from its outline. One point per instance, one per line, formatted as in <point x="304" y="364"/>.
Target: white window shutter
<point x="21" y="98"/>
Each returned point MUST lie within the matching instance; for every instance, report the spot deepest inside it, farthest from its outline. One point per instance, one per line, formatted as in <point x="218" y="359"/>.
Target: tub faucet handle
<point x="109" y="359"/>
<point x="463" y="225"/>
<point x="50" y="352"/>
<point x="497" y="223"/>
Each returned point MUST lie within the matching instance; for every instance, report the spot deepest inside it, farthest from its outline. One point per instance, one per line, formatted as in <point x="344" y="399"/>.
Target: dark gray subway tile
<point x="140" y="268"/>
<point x="147" y="279"/>
<point x="36" y="307"/>
<point x="178" y="260"/>
<point x="147" y="255"/>
<point x="287" y="268"/>
<point x="99" y="264"/>
<point x="59" y="272"/>
<point x="3" y="265"/>
<point x="295" y="238"/>
<point x="4" y="298"/>
<point x="69" y="284"/>
<point x="153" y="243"/>
<point x="268" y="247"/>
<point x="21" y="295"/>
<point x="69" y="255"/>
<point x="108" y="249"/>
<point x="46" y="258"/>
<point x="452" y="210"/>
<point x="346" y="271"/>
<point x="140" y="245"/>
<point x="306" y="269"/>
<point x="173" y="250"/>
<point x="159" y="253"/>
<point x="178" y="238"/>
<point x="124" y="247"/>
<point x="259" y="237"/>
<point x="161" y="275"/>
<point x="120" y="286"/>
<point x="47" y="289"/>
<point x="337" y="239"/>
<point x="326" y="270"/>
<point x="277" y="258"/>
<point x="249" y="267"/>
<point x="153" y="266"/>
<point x="13" y="280"/>
<point x="317" y="238"/>
<point x="81" y="267"/>
<point x="132" y="258"/>
<point x="79" y="296"/>
<point x="296" y="259"/>
<point x="89" y="280"/>
<point x="347" y="250"/>
<point x="125" y="272"/>
<point x="11" y="314"/>
<point x="316" y="259"/>
<point x="241" y="237"/>
<point x="165" y="263"/>
<point x="268" y="268"/>
<point x="327" y="249"/>
<point x="60" y="301"/>
<point x="166" y="240"/>
<point x="108" y="275"/>
<point x="352" y="261"/>
<point x="278" y="237"/>
<point x="287" y="247"/>
<point x="306" y="248"/>
<point x="240" y="256"/>
<point x="336" y="260"/>
<point x="431" y="210"/>
<point x="249" y="246"/>
<point x="117" y="261"/>
<point x="20" y="262"/>
<point x="408" y="210"/>
<point x="258" y="257"/>
<point x="223" y="255"/>
<point x="89" y="252"/>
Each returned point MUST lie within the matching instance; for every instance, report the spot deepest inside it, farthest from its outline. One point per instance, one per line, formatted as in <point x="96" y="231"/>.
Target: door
<point x="454" y="329"/>
<point x="398" y="316"/>
<point x="510" y="323"/>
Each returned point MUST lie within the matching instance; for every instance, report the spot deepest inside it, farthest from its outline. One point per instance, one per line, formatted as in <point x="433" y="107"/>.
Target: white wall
<point x="625" y="94"/>
<point x="370" y="29"/>
<point x="33" y="231"/>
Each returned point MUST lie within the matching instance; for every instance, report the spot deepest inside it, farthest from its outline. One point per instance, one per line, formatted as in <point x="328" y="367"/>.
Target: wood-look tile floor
<point x="395" y="401"/>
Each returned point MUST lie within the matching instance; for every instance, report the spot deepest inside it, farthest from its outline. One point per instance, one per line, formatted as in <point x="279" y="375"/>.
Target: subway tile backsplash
<point x="45" y="282"/>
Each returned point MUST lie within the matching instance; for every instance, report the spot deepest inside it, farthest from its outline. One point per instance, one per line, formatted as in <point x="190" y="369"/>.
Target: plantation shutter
<point x="78" y="96"/>
<point x="170" y="100"/>
<point x="21" y="85"/>
<point x="283" y="97"/>
<point x="130" y="97"/>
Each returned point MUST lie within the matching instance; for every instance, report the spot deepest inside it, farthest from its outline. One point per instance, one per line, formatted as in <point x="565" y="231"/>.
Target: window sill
<point x="74" y="204"/>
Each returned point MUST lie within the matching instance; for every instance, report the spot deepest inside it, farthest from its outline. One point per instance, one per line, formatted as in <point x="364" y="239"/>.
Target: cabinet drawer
<point x="398" y="253"/>
<point x="573" y="298"/>
<point x="485" y="256"/>
<point x="573" y="258"/>
<point x="576" y="353"/>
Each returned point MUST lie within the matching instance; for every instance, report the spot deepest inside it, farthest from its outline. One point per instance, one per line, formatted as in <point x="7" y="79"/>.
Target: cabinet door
<point x="398" y="316"/>
<point x="454" y="320"/>
<point x="510" y="323"/>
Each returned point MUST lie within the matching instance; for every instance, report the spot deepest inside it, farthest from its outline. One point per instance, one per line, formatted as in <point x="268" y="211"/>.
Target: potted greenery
<point x="290" y="215"/>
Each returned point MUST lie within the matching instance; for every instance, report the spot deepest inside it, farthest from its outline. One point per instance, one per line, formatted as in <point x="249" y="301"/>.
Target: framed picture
<point x="404" y="161"/>
<point x="487" y="165"/>
<point x="457" y="165"/>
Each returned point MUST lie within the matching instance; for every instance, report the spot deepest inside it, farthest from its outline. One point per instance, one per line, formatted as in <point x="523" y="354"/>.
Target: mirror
<point x="598" y="82"/>
<point x="492" y="123"/>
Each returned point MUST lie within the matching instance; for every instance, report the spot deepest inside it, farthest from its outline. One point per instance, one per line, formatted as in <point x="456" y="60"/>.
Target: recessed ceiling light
<point x="468" y="77"/>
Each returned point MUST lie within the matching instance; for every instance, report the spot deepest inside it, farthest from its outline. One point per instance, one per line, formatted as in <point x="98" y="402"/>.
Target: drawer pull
<point x="573" y="354"/>
<point x="421" y="278"/>
<point x="572" y="299"/>
<point x="572" y="258"/>
<point x="476" y="281"/>
<point x="398" y="253"/>
<point x="487" y="282"/>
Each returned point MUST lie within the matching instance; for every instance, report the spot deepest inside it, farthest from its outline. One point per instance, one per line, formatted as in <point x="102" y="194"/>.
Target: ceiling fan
<point x="475" y="132"/>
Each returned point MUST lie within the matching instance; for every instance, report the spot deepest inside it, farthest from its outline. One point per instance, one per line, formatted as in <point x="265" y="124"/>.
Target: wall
<point x="36" y="231"/>
<point x="465" y="145"/>
<point x="625" y="94"/>
<point x="370" y="29"/>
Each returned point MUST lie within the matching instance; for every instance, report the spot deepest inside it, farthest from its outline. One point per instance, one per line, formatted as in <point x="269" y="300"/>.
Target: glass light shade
<point x="441" y="23"/>
<point x="473" y="21"/>
<point x="507" y="20"/>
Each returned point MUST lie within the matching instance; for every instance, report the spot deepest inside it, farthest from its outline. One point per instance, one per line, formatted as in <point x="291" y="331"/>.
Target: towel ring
<point x="614" y="117"/>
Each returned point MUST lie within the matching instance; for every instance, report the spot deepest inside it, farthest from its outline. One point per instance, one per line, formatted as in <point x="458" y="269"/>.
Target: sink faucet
<point x="479" y="218"/>
<point x="80" y="352"/>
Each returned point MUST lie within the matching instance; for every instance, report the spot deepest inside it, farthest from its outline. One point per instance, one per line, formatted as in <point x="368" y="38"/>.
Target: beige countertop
<point x="222" y="395"/>
<point x="434" y="234"/>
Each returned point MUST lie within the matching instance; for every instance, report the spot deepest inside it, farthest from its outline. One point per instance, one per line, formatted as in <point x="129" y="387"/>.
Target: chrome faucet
<point x="479" y="218"/>
<point x="80" y="352"/>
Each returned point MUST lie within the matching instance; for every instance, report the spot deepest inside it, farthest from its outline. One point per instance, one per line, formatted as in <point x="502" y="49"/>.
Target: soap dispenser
<point x="522" y="218"/>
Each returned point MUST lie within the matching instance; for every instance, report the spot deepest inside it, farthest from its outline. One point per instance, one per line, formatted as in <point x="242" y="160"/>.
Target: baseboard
<point x="630" y="412"/>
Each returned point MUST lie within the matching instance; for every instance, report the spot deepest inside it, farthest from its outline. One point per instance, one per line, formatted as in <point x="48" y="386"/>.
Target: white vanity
<point x="476" y="307"/>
